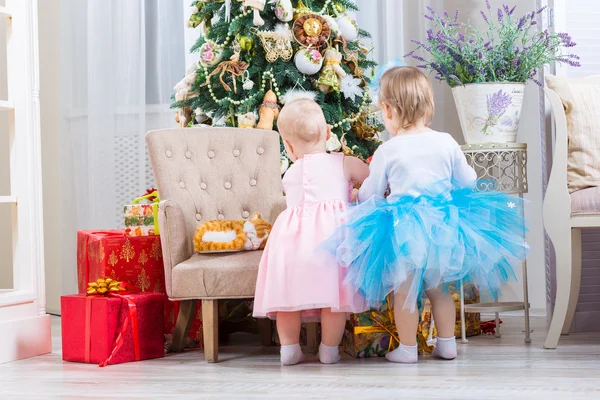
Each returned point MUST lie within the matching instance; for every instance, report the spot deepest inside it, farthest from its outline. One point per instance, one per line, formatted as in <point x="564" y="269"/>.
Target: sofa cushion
<point x="217" y="275"/>
<point x="581" y="100"/>
<point x="586" y="201"/>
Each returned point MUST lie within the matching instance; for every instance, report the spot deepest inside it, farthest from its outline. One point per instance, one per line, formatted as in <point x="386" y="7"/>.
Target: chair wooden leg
<point x="312" y="339"/>
<point x="563" y="251"/>
<point x="265" y="327"/>
<point x="210" y="324"/>
<point x="184" y="319"/>
<point x="576" y="279"/>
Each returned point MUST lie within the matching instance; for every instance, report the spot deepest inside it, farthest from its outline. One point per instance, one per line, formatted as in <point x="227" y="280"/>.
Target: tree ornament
<point x="268" y="111"/>
<point x="183" y="116"/>
<point x="311" y="30"/>
<point x="362" y="129"/>
<point x="201" y="117"/>
<point x="330" y="78"/>
<point x="333" y="25"/>
<point x="301" y="10"/>
<point x="333" y="144"/>
<point x="247" y="120"/>
<point x="278" y="43"/>
<point x="351" y="87"/>
<point x="235" y="67"/>
<point x="348" y="27"/>
<point x="258" y="6"/>
<point x="308" y="61"/>
<point x="247" y="84"/>
<point x="210" y="54"/>
<point x="284" y="11"/>
<point x="246" y="42"/>
<point x="340" y="8"/>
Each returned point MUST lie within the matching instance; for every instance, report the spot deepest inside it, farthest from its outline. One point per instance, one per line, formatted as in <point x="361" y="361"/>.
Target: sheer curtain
<point x="393" y="23"/>
<point x="119" y="62"/>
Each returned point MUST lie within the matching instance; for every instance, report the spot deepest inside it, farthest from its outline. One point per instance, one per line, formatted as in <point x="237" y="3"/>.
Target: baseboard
<point x="533" y="313"/>
<point x="25" y="338"/>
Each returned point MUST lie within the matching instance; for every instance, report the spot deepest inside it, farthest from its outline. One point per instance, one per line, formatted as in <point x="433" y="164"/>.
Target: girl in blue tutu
<point x="433" y="230"/>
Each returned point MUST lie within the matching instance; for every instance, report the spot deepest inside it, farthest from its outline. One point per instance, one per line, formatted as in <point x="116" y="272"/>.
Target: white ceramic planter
<point x="489" y="112"/>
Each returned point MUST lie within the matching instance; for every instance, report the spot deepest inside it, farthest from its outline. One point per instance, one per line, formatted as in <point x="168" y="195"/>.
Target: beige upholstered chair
<point x="565" y="215"/>
<point x="206" y="174"/>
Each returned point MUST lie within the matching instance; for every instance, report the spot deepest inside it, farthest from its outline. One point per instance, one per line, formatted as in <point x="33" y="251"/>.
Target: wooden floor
<point x="487" y="368"/>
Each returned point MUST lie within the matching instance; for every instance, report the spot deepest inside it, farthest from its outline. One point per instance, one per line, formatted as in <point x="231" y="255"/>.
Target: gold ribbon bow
<point x="234" y="67"/>
<point x="104" y="286"/>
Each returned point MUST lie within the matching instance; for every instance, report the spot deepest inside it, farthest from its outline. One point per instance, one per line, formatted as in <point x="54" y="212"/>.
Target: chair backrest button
<point x="203" y="186"/>
<point x="199" y="217"/>
<point x="245" y="214"/>
<point x="211" y="154"/>
<point x="220" y="217"/>
<point x="253" y="182"/>
<point x="236" y="153"/>
<point x="168" y="153"/>
<point x="227" y="185"/>
<point x="188" y="154"/>
<point x="260" y="151"/>
<point x="182" y="185"/>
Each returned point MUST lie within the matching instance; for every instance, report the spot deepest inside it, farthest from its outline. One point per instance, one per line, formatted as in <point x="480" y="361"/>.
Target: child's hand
<point x="354" y="195"/>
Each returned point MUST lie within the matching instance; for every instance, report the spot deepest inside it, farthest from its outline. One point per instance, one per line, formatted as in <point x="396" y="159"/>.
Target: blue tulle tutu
<point x="433" y="240"/>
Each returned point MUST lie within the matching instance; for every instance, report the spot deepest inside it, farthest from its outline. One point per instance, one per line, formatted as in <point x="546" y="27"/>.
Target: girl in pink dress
<point x="295" y="284"/>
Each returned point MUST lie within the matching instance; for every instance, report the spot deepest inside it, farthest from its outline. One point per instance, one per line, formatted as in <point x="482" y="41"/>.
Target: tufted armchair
<point x="206" y="174"/>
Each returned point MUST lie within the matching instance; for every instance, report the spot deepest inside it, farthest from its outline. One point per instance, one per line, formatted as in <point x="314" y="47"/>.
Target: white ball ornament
<point x="348" y="27"/>
<point x="210" y="55"/>
<point x="284" y="10"/>
<point x="335" y="28"/>
<point x="308" y="61"/>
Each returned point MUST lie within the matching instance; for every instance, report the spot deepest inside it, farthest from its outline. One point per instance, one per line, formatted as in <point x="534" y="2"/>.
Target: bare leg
<point x="444" y="314"/>
<point x="332" y="330"/>
<point x="288" y="328"/>
<point x="406" y="323"/>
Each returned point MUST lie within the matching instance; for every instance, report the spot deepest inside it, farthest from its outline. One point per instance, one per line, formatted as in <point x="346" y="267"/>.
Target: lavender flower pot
<point x="489" y="112"/>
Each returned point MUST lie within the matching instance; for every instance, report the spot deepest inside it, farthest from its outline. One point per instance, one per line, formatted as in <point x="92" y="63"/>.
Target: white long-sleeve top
<point x="417" y="162"/>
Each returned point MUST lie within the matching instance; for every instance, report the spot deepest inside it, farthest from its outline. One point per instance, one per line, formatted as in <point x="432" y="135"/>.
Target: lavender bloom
<point x="429" y="17"/>
<point x="446" y="14"/>
<point x="512" y="10"/>
<point x="438" y="77"/>
<point x="497" y="105"/>
<point x="471" y="41"/>
<point x="480" y="55"/>
<point x="533" y="23"/>
<point x="487" y="4"/>
<point x="422" y="66"/>
<point x="421" y="44"/>
<point x="541" y="10"/>
<point x="442" y="47"/>
<point x="471" y="69"/>
<point x="569" y="61"/>
<point x="456" y="15"/>
<point x="418" y="58"/>
<point x="461" y="37"/>
<point x="574" y="56"/>
<point x="506" y="9"/>
<point x="430" y="34"/>
<point x="431" y="10"/>
<point x="567" y="41"/>
<point x="521" y="23"/>
<point x="484" y="17"/>
<point x="516" y="63"/>
<point x="500" y="15"/>
<point x="409" y="54"/>
<point x="482" y="70"/>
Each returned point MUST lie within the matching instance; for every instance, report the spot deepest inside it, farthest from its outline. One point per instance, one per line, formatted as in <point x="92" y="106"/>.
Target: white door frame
<point x="24" y="324"/>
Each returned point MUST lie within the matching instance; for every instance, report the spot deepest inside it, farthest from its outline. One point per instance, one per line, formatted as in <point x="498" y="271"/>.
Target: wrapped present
<point x="135" y="260"/>
<point x="374" y="333"/>
<point x="142" y="219"/>
<point x="472" y="320"/>
<point x="113" y="328"/>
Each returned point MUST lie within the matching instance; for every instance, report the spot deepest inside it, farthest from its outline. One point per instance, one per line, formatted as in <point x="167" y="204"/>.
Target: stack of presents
<point x="122" y="313"/>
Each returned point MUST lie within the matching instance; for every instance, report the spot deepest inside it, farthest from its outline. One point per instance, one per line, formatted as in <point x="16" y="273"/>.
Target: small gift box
<point x="374" y="333"/>
<point x="135" y="260"/>
<point x="112" y="328"/>
<point x="142" y="219"/>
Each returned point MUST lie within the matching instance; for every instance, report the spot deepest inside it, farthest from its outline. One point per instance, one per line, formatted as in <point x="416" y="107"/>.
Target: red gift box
<point x="136" y="261"/>
<point x="112" y="329"/>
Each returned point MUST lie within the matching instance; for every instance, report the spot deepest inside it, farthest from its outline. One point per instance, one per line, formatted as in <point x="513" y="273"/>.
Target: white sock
<point x="404" y="354"/>
<point x="445" y="348"/>
<point x="329" y="354"/>
<point x="291" y="355"/>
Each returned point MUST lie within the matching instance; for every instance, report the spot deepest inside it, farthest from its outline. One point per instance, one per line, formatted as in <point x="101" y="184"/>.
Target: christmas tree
<point x="256" y="55"/>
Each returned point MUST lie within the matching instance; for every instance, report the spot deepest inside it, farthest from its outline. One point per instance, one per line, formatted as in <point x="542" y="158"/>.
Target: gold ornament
<point x="277" y="44"/>
<point x="362" y="129"/>
<point x="301" y="10"/>
<point x="235" y="67"/>
<point x="246" y="43"/>
<point x="340" y="8"/>
<point x="312" y="30"/>
<point x="313" y="27"/>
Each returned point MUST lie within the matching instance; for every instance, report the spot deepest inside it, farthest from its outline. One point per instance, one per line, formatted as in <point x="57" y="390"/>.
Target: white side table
<point x="500" y="167"/>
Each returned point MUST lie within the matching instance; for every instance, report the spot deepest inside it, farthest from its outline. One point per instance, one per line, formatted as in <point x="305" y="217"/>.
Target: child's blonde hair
<point x="302" y="120"/>
<point x="408" y="91"/>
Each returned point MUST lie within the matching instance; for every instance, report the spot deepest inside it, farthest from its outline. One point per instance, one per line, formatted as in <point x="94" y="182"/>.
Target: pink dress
<point x="293" y="274"/>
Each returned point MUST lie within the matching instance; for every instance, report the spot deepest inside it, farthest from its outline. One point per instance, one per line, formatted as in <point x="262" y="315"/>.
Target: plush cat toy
<point x="229" y="236"/>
